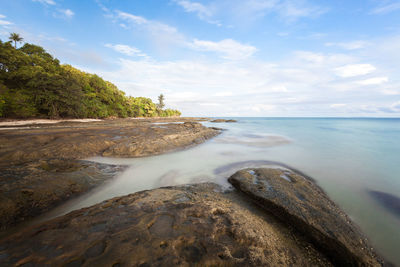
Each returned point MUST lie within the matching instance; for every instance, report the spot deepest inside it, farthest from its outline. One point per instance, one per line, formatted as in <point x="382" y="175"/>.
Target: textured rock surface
<point x="28" y="190"/>
<point x="299" y="202"/>
<point x="223" y="120"/>
<point x="183" y="135"/>
<point x="194" y="225"/>
<point x="114" y="138"/>
<point x="39" y="166"/>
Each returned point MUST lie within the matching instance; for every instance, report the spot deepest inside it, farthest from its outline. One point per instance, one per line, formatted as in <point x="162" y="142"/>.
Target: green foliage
<point x="161" y="104"/>
<point x="170" y="113"/>
<point x="34" y="84"/>
<point x="16" y="38"/>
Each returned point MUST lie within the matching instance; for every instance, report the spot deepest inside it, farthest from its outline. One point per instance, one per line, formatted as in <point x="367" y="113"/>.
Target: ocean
<point x="355" y="160"/>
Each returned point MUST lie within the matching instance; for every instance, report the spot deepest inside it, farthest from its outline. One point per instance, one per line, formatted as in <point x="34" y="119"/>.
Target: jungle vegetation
<point x="34" y="84"/>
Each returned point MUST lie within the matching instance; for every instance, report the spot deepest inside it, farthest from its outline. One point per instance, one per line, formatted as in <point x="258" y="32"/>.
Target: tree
<point x="34" y="84"/>
<point x="161" y="104"/>
<point x="16" y="38"/>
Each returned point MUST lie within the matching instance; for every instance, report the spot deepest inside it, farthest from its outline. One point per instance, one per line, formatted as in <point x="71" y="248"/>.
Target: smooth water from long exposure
<point x="347" y="157"/>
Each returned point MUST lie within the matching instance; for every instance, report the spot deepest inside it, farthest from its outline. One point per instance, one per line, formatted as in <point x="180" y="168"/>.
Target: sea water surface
<point x="348" y="157"/>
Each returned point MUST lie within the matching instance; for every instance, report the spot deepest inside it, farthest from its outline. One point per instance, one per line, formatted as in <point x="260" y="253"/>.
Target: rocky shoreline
<point x="201" y="225"/>
<point x="270" y="217"/>
<point x="41" y="165"/>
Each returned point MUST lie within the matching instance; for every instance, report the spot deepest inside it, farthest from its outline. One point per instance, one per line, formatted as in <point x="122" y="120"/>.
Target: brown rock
<point x="223" y="120"/>
<point x="113" y="138"/>
<point x="28" y="190"/>
<point x="39" y="167"/>
<point x="303" y="205"/>
<point x="186" y="226"/>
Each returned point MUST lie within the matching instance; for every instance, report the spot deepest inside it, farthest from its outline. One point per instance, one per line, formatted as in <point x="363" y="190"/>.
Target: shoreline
<point x="19" y="122"/>
<point x="42" y="167"/>
<point x="319" y="240"/>
<point x="201" y="224"/>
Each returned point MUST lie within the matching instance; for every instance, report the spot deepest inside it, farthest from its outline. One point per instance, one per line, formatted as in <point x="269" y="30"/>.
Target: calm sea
<point x="348" y="157"/>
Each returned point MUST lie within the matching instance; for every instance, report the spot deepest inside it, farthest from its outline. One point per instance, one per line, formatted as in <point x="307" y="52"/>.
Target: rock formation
<point x="275" y="218"/>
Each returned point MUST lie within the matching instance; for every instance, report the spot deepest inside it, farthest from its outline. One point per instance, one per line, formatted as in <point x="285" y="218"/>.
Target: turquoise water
<point x="347" y="157"/>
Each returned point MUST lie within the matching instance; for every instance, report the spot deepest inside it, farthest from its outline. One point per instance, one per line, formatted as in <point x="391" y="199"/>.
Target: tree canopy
<point x="34" y="84"/>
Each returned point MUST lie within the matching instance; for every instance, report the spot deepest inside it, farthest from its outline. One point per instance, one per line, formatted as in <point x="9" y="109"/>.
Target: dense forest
<point x="34" y="84"/>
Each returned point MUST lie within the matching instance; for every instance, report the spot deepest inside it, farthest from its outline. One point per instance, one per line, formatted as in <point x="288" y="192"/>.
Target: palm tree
<point x="16" y="38"/>
<point x="161" y="104"/>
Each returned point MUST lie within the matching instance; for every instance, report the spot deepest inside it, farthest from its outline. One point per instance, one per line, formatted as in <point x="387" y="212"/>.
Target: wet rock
<point x="30" y="189"/>
<point x="231" y="168"/>
<point x="185" y="135"/>
<point x="389" y="201"/>
<point x="223" y="120"/>
<point x="300" y="203"/>
<point x="184" y="225"/>
<point x="40" y="167"/>
<point x="113" y="138"/>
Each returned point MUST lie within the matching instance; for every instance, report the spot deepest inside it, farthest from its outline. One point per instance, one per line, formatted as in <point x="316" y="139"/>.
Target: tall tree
<point x="161" y="104"/>
<point x="16" y="38"/>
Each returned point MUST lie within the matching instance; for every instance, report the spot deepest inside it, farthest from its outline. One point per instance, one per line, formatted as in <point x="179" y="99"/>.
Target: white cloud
<point x="4" y="22"/>
<point x="310" y="56"/>
<point x="165" y="34"/>
<point x="48" y="2"/>
<point x="228" y="48"/>
<point x="223" y="93"/>
<point x="384" y="9"/>
<point x="160" y="33"/>
<point x="132" y="18"/>
<point x="289" y="10"/>
<point x="200" y="9"/>
<point x="339" y="105"/>
<point x="153" y="26"/>
<point x="294" y="10"/>
<point x="294" y="86"/>
<point x="67" y="12"/>
<point x="203" y="12"/>
<point x="374" y="81"/>
<point x="390" y="92"/>
<point x="354" y="70"/>
<point x="126" y="50"/>
<point x="354" y="45"/>
<point x="396" y="106"/>
<point x="63" y="14"/>
<point x="262" y="107"/>
<point x="241" y="12"/>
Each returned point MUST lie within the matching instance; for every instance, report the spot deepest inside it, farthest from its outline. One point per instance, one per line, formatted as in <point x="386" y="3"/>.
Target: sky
<point x="285" y="58"/>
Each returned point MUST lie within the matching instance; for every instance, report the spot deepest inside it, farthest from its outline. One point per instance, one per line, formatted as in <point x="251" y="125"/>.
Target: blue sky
<point x="229" y="57"/>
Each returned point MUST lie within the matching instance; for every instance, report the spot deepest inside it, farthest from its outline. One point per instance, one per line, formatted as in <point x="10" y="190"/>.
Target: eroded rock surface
<point x="303" y="205"/>
<point x="28" y="190"/>
<point x="186" y="134"/>
<point x="113" y="138"/>
<point x="223" y="120"/>
<point x="40" y="167"/>
<point x="193" y="225"/>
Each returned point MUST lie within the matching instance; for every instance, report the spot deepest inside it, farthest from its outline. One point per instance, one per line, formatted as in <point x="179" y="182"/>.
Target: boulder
<point x="299" y="202"/>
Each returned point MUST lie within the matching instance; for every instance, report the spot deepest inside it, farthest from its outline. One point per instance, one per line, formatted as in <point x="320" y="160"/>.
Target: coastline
<point x="42" y="167"/>
<point x="200" y="224"/>
<point x="175" y="218"/>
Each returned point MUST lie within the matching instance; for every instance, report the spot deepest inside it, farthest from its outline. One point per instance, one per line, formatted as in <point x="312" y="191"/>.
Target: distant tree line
<point x="34" y="84"/>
